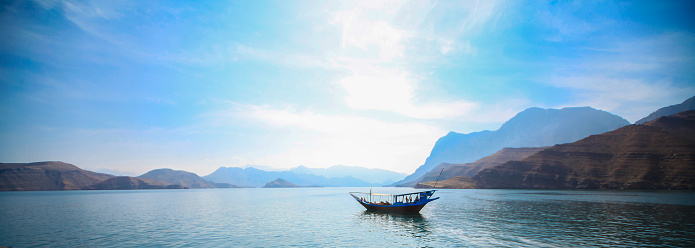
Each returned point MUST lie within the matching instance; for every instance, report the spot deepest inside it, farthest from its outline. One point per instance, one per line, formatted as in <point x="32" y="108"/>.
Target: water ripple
<point x="328" y="217"/>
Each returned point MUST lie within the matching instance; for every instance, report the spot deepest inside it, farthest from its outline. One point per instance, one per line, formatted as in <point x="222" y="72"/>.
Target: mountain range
<point x="670" y="110"/>
<point x="460" y="176"/>
<point x="54" y="175"/>
<point x="123" y="183"/>
<point x="376" y="177"/>
<point x="659" y="154"/>
<point x="47" y="176"/>
<point x="590" y="149"/>
<point x="252" y="177"/>
<point x="179" y="177"/>
<point x="533" y="127"/>
<point x="445" y="170"/>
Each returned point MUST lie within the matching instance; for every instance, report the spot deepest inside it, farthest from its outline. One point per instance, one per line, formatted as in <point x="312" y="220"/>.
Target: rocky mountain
<point x="252" y="177"/>
<point x="459" y="182"/>
<point x="533" y="127"/>
<point x="670" y="110"/>
<point x="46" y="176"/>
<point x="376" y="177"/>
<point x="179" y="177"/>
<point x="280" y="183"/>
<point x="470" y="169"/>
<point x="659" y="154"/>
<point x="123" y="183"/>
<point x="63" y="176"/>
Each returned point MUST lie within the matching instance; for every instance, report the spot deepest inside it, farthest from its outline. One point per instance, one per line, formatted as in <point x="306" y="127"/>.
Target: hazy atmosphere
<point x="124" y="87"/>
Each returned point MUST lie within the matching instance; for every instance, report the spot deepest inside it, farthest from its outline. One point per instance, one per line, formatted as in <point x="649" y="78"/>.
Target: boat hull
<point x="395" y="209"/>
<point x="411" y="208"/>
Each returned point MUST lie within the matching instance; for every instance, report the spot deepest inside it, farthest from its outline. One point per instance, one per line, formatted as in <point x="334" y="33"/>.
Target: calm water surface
<point x="329" y="217"/>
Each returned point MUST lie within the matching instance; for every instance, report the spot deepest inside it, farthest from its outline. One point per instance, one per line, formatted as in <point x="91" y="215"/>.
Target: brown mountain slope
<point x="46" y="176"/>
<point x="686" y="105"/>
<point x="459" y="182"/>
<point x="657" y="155"/>
<point x="122" y="183"/>
<point x="184" y="178"/>
<point x="470" y="169"/>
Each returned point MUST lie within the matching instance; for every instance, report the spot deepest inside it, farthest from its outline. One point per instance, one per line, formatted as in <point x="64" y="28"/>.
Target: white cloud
<point x="388" y="92"/>
<point x="630" y="98"/>
<point x="360" y="29"/>
<point x="446" y="46"/>
<point x="478" y="13"/>
<point x="345" y="139"/>
<point x="562" y="23"/>
<point x="403" y="34"/>
<point x="392" y="29"/>
<point x="630" y="78"/>
<point x="338" y="125"/>
<point x="89" y="16"/>
<point x="394" y="91"/>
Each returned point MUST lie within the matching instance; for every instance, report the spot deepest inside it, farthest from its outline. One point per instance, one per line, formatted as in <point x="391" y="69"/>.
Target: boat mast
<point x="435" y="183"/>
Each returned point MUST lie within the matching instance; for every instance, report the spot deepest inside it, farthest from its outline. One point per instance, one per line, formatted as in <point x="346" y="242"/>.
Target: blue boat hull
<point x="396" y="208"/>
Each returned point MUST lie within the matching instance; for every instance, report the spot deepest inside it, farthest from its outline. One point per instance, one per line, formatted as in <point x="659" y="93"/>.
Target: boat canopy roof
<point x="413" y="193"/>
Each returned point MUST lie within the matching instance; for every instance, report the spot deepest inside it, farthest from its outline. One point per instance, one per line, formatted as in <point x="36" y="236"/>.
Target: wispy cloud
<point x="631" y="78"/>
<point x="399" y="34"/>
<point x="371" y="83"/>
<point x="340" y="125"/>
<point x="361" y="31"/>
<point x="563" y="23"/>
<point x="395" y="91"/>
<point x="91" y="15"/>
<point x="630" y="98"/>
<point x="347" y="139"/>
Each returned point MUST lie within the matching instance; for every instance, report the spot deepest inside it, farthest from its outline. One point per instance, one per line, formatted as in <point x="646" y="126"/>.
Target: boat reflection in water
<point x="414" y="228"/>
<point x="401" y="203"/>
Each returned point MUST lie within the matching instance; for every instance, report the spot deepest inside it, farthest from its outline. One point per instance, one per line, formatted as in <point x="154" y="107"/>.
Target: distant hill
<point x="533" y="127"/>
<point x="252" y="177"/>
<point x="470" y="169"/>
<point x="280" y="183"/>
<point x="670" y="110"/>
<point x="63" y="176"/>
<point x="179" y="177"/>
<point x="659" y="154"/>
<point x="376" y="177"/>
<point x="123" y="183"/>
<point x="225" y="185"/>
<point x="46" y="176"/>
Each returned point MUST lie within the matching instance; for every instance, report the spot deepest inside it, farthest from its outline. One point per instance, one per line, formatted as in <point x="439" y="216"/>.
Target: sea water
<point x="329" y="217"/>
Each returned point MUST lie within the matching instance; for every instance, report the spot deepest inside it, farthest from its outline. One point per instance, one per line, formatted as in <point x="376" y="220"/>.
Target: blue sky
<point x="129" y="86"/>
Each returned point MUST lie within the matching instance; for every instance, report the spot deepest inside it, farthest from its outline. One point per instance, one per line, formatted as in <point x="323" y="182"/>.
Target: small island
<point x="280" y="183"/>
